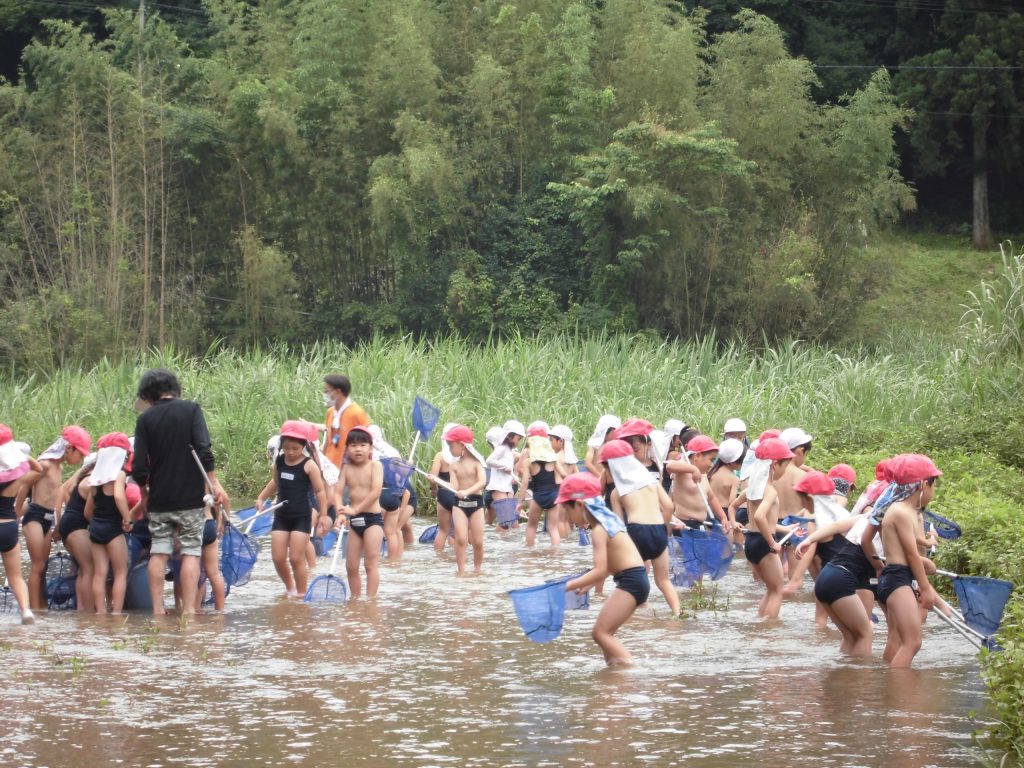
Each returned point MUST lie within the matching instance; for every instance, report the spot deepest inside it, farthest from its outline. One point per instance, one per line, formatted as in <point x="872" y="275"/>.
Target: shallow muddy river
<point x="435" y="671"/>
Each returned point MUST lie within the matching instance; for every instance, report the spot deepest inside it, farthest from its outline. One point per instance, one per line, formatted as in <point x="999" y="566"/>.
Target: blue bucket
<point x="540" y="610"/>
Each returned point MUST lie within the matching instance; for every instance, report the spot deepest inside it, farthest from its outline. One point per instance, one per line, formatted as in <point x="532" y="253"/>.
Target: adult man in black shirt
<point x="166" y="432"/>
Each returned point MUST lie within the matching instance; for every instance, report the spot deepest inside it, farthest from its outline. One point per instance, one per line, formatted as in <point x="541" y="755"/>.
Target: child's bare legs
<point x="38" y="545"/>
<point x="298" y="544"/>
<point x="373" y="536"/>
<point x="476" y="538"/>
<point x="353" y="554"/>
<point x="532" y="521"/>
<point x="664" y="582"/>
<point x="444" y="522"/>
<point x="851" y="619"/>
<point x="211" y="564"/>
<point x="81" y="550"/>
<point x="554" y="526"/>
<point x="405" y="521"/>
<point x="310" y="550"/>
<point x="905" y="620"/>
<point x="616" y="610"/>
<point x="461" y="525"/>
<point x="101" y="564"/>
<point x="12" y="567"/>
<point x="393" y="533"/>
<point x="279" y="555"/>
<point x="769" y="570"/>
<point x="117" y="554"/>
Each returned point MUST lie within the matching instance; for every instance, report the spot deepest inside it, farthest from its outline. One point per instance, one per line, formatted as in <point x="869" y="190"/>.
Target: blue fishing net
<point x="585" y="537"/>
<point x="327" y="589"/>
<point x="796" y="539"/>
<point x="506" y="511"/>
<point x="694" y="554"/>
<point x="396" y="472"/>
<point x="238" y="553"/>
<point x="328" y="542"/>
<point x="573" y="601"/>
<point x="982" y="601"/>
<point x="260" y="526"/>
<point x="424" y="417"/>
<point x="540" y="610"/>
<point x="60" y="582"/>
<point x="8" y="602"/>
<point x="428" y="535"/>
<point x="946" y="528"/>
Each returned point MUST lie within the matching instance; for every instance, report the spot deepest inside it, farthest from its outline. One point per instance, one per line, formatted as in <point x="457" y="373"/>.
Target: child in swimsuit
<point x="109" y="516"/>
<point x="364" y="479"/>
<point x="615" y="554"/>
<point x="74" y="531"/>
<point x="17" y="472"/>
<point x="502" y="462"/>
<point x="295" y="475"/>
<point x="542" y="473"/>
<point x="469" y="478"/>
<point x="442" y="470"/>
<point x="38" y="519"/>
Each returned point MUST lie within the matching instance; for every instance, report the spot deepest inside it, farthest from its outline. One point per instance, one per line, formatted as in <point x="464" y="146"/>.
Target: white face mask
<point x="328" y="400"/>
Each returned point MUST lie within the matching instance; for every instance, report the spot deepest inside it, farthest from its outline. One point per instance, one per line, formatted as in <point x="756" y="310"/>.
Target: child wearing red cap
<point x="294" y="476"/>
<point x="109" y="516"/>
<point x="903" y="587"/>
<point x="363" y="477"/>
<point x="762" y="550"/>
<point x="17" y="472"/>
<point x="38" y="517"/>
<point x="74" y="530"/>
<point x="441" y="469"/>
<point x="541" y="474"/>
<point x="693" y="501"/>
<point x="469" y="479"/>
<point x="615" y="554"/>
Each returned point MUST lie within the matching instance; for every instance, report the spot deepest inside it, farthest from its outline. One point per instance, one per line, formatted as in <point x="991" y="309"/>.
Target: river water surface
<point x="436" y="672"/>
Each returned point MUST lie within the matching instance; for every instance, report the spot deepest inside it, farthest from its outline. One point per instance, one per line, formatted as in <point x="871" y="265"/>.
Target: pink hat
<point x="78" y="439"/>
<point x="115" y="440"/>
<point x="295" y="429"/>
<point x="5" y="434"/>
<point x="701" y="444"/>
<point x="912" y="468"/>
<point x="578" y="486"/>
<point x="843" y="472"/>
<point x="459" y="434"/>
<point x="815" y="483"/>
<point x="633" y="428"/>
<point x="537" y="430"/>
<point x="768" y="433"/>
<point x="615" y="449"/>
<point x="132" y="494"/>
<point x="774" y="449"/>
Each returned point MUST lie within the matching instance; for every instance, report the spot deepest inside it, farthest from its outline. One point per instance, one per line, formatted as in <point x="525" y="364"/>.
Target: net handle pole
<point x="267" y="511"/>
<point x="437" y="480"/>
<point x="955" y="625"/>
<point x="337" y="551"/>
<point x="958" y="617"/>
<point x="221" y="517"/>
<point x="415" y="444"/>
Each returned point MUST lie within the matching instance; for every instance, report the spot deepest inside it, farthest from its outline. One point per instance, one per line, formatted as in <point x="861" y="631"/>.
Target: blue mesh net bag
<point x="238" y="553"/>
<point x="506" y="511"/>
<point x="253" y="525"/>
<point x="796" y="540"/>
<point x="694" y="554"/>
<point x="584" y="537"/>
<point x="60" y="583"/>
<point x="8" y="602"/>
<point x="428" y="535"/>
<point x="573" y="601"/>
<point x="396" y="472"/>
<point x="328" y="588"/>
<point x="982" y="601"/>
<point x="946" y="528"/>
<point x="540" y="610"/>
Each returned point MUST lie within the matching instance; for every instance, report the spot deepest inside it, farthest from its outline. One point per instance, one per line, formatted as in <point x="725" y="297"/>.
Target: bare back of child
<point x="647" y="512"/>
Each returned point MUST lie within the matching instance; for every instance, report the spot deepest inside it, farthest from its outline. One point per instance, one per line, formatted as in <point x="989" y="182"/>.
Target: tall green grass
<point x="860" y="399"/>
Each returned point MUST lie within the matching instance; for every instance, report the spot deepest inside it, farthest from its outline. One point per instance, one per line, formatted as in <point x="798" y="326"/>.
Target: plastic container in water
<point x="136" y="595"/>
<point x="540" y="610"/>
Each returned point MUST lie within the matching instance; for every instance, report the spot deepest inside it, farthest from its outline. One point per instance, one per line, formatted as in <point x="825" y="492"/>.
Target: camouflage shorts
<point x="187" y="524"/>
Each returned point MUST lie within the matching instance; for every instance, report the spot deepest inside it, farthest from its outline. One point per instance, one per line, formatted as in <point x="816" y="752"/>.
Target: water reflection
<point x="435" y="672"/>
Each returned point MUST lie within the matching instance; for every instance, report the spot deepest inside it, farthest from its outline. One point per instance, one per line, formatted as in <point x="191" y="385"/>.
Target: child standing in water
<point x="71" y="447"/>
<point x="541" y="474"/>
<point x="74" y="530"/>
<point x="469" y="478"/>
<point x="364" y="479"/>
<point x="903" y="587"/>
<point x="502" y="461"/>
<point x="615" y="554"/>
<point x="106" y="508"/>
<point x="17" y="471"/>
<point x="441" y="469"/>
<point x="294" y="476"/>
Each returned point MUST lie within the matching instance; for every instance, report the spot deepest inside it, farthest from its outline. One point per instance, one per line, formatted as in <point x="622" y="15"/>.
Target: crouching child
<point x="615" y="554"/>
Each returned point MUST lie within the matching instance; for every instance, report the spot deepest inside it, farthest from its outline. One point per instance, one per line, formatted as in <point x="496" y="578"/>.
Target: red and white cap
<point x="913" y="468"/>
<point x="773" y="449"/>
<point x="815" y="483"/>
<point x="701" y="444"/>
<point x="537" y="429"/>
<point x="579" y="486"/>
<point x="843" y="472"/>
<point x="459" y="433"/>
<point x="297" y="430"/>
<point x="769" y="433"/>
<point x="615" y="449"/>
<point x="78" y="439"/>
<point x="634" y="428"/>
